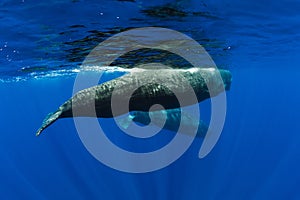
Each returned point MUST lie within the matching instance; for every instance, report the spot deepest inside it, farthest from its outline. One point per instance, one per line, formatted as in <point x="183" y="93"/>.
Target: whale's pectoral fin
<point x="125" y="122"/>
<point x="50" y="118"/>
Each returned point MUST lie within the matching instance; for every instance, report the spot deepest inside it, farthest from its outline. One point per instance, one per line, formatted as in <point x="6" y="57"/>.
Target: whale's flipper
<point x="50" y="118"/>
<point x="125" y="121"/>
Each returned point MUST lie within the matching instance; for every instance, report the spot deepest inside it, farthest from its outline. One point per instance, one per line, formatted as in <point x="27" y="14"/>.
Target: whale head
<point x="227" y="78"/>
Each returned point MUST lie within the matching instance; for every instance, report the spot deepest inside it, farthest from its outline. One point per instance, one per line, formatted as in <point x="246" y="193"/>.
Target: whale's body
<point x="172" y="117"/>
<point x="96" y="101"/>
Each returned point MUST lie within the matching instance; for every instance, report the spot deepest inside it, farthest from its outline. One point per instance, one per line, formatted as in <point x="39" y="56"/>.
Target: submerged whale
<point x="96" y="101"/>
<point x="172" y="117"/>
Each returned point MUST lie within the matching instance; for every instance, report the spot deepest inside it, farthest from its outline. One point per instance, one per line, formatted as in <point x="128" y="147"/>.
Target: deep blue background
<point x="257" y="156"/>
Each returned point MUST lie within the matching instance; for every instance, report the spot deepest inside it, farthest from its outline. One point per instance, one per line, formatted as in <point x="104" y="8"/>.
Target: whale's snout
<point x="227" y="78"/>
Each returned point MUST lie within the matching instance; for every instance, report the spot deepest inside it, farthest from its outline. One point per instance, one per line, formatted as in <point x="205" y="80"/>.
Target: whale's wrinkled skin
<point x="96" y="101"/>
<point x="172" y="118"/>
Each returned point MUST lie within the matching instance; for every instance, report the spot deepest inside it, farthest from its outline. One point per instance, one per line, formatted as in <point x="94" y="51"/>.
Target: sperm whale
<point x="96" y="101"/>
<point x="173" y="117"/>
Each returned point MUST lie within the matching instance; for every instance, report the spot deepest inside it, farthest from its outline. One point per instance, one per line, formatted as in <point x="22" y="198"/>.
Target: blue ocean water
<point x="42" y="45"/>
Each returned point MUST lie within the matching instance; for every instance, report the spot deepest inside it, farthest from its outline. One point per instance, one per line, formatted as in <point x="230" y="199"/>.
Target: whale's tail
<point x="50" y="118"/>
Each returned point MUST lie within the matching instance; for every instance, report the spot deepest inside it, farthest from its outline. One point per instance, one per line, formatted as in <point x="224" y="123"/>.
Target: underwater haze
<point x="42" y="45"/>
